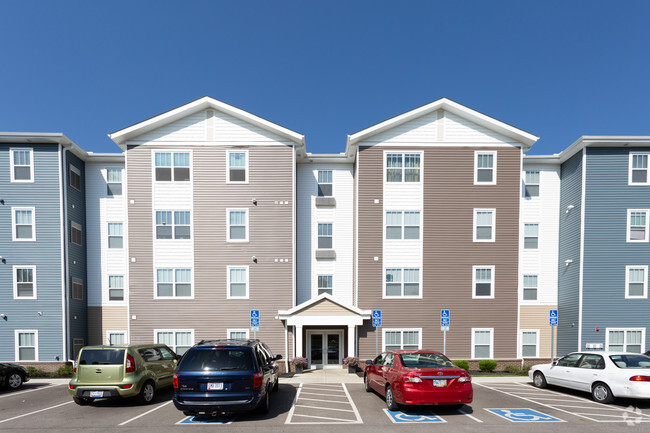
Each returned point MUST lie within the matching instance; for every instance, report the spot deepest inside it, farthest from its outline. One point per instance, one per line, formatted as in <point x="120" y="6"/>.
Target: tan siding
<point x="102" y="319"/>
<point x="536" y="317"/>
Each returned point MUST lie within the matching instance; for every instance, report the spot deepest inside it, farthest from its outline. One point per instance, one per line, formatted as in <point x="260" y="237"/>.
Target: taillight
<point x="465" y="379"/>
<point x="130" y="363"/>
<point x="258" y="378"/>
<point x="640" y="379"/>
<point x="412" y="378"/>
<point x="175" y="382"/>
<point x="127" y="386"/>
<point x="71" y="386"/>
<point x="76" y="362"/>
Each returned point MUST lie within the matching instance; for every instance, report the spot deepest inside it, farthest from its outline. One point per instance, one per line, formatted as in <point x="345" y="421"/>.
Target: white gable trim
<point x="284" y="314"/>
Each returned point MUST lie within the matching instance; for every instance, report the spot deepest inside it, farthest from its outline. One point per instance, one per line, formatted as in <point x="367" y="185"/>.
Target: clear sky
<point x="326" y="69"/>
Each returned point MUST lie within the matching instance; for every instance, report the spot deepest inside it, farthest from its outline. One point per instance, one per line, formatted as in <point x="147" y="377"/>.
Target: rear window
<point x="101" y="357"/>
<point x="425" y="360"/>
<point x="217" y="359"/>
<point x="631" y="361"/>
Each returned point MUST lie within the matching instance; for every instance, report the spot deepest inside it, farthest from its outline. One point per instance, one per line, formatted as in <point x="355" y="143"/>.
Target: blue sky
<point x="556" y="69"/>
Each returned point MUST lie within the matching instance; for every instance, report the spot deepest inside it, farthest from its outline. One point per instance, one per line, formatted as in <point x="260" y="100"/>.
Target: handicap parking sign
<point x="206" y="420"/>
<point x="397" y="416"/>
<point x="523" y="415"/>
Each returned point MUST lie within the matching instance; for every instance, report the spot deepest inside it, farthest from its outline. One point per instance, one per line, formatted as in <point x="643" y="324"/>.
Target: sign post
<point x="376" y="322"/>
<point x="255" y="322"/>
<point x="445" y="322"/>
<point x="552" y="321"/>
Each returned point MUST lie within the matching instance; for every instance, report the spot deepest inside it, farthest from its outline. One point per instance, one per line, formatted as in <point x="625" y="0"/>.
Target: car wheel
<point x="14" y="381"/>
<point x="265" y="404"/>
<point x="539" y="380"/>
<point x="390" y="399"/>
<point x="366" y="383"/>
<point x="601" y="393"/>
<point x="147" y="393"/>
<point x="82" y="401"/>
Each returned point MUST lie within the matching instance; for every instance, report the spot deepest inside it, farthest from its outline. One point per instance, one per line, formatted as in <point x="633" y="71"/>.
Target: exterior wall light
<point x="567" y="262"/>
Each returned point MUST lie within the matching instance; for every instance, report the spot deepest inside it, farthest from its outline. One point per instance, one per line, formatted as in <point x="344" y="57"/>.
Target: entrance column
<point x="298" y="338"/>
<point x="351" y="340"/>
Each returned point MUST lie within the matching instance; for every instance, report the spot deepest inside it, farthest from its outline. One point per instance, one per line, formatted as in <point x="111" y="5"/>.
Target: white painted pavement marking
<point x="29" y="390"/>
<point x="470" y="416"/>
<point x="146" y="413"/>
<point x="293" y="405"/>
<point x="328" y="401"/>
<point x="321" y="394"/>
<point x="354" y="407"/>
<point x="324" y="408"/>
<point x="36" y="411"/>
<point x="303" y="390"/>
<point x="343" y="421"/>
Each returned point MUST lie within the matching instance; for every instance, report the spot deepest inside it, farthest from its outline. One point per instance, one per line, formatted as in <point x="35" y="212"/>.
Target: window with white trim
<point x="403" y="225"/>
<point x="638" y="170"/>
<point x="485" y="168"/>
<point x="113" y="182"/>
<point x="22" y="165"/>
<point x="325" y="284"/>
<point x="116" y="287"/>
<point x="626" y="340"/>
<point x="237" y="334"/>
<point x="530" y="287"/>
<point x="115" y="235"/>
<point x="179" y="340"/>
<point x="636" y="282"/>
<point x="402" y="283"/>
<point x="173" y="283"/>
<point x="531" y="236"/>
<point x="76" y="233"/>
<point x="26" y="345"/>
<point x="75" y="178"/>
<point x="172" y="166"/>
<point x="482" y="343"/>
<point x="77" y="288"/>
<point x="237" y="230"/>
<point x="324" y="183"/>
<point x="403" y="167"/>
<point x="532" y="184"/>
<point x="115" y="337"/>
<point x="237" y="166"/>
<point x="325" y="239"/>
<point x="484" y="229"/>
<point x="237" y="282"/>
<point x="483" y="282"/>
<point x="23" y="222"/>
<point x="402" y="339"/>
<point x="173" y="225"/>
<point x="637" y="225"/>
<point x="529" y="343"/>
<point x="24" y="282"/>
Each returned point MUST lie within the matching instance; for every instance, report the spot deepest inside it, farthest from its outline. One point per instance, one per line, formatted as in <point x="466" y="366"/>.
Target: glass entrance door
<point x="333" y="349"/>
<point x="316" y="350"/>
<point x="325" y="348"/>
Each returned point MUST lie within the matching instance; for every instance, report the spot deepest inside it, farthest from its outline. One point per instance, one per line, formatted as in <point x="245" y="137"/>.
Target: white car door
<point x="563" y="372"/>
<point x="590" y="369"/>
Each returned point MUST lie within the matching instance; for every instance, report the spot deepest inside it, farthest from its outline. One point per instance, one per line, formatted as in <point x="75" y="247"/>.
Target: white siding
<point x="424" y="129"/>
<point x="458" y="129"/>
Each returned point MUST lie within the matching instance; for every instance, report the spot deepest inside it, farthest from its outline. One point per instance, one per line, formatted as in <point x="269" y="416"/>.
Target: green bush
<point x="487" y="365"/>
<point x="517" y="371"/>
<point x="462" y="364"/>
<point x="64" y="371"/>
<point x="35" y="372"/>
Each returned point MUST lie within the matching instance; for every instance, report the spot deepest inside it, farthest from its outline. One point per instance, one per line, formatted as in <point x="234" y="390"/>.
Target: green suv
<point x="122" y="371"/>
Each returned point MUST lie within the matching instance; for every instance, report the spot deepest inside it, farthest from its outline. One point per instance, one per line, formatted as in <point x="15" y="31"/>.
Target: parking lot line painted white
<point x="146" y="413"/>
<point x="324" y="408"/>
<point x="293" y="405"/>
<point x="300" y="399"/>
<point x="328" y="401"/>
<point x="320" y="393"/>
<point x="36" y="411"/>
<point x="468" y="415"/>
<point x="312" y="388"/>
<point x="354" y="407"/>
<point x="29" y="390"/>
<point x="345" y="421"/>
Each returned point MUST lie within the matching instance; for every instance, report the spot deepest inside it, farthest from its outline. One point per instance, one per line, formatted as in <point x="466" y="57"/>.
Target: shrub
<point x="351" y="361"/>
<point x="35" y="372"/>
<point x="462" y="364"/>
<point x="517" y="371"/>
<point x="298" y="361"/>
<point x="64" y="371"/>
<point x="487" y="365"/>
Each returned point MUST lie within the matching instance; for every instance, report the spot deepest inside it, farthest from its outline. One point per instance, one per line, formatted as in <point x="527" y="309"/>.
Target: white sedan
<point x="605" y="375"/>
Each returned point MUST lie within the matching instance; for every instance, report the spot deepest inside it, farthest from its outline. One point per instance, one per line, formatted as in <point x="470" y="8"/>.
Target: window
<point x="172" y="166"/>
<point x="403" y="283"/>
<point x="403" y="167"/>
<point x="325" y="284"/>
<point x="529" y="343"/>
<point x="76" y="233"/>
<point x="402" y="339"/>
<point x="636" y="282"/>
<point x="485" y="168"/>
<point x="115" y="337"/>
<point x="484" y="225"/>
<point x="638" y="171"/>
<point x="113" y="182"/>
<point x="237" y="167"/>
<point x="176" y="228"/>
<point x="26" y="345"/>
<point x="325" y="236"/>
<point x="77" y="289"/>
<point x="75" y="178"/>
<point x="23" y="222"/>
<point x="531" y="236"/>
<point x="403" y="225"/>
<point x="324" y="183"/>
<point x="238" y="282"/>
<point x="173" y="283"/>
<point x="532" y="184"/>
<point x="482" y="342"/>
<point x="115" y="235"/>
<point x="177" y="340"/>
<point x="24" y="282"/>
<point x="237" y="225"/>
<point x="530" y="287"/>
<point x="182" y="224"/>
<point x="637" y="225"/>
<point x="483" y="282"/>
<point x="237" y="334"/>
<point x="626" y="340"/>
<point x="22" y="166"/>
<point x="115" y="287"/>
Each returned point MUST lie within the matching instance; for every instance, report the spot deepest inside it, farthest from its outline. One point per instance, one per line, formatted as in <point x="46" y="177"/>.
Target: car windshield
<point x="631" y="361"/>
<point x="425" y="360"/>
<point x="216" y="359"/>
<point x="101" y="356"/>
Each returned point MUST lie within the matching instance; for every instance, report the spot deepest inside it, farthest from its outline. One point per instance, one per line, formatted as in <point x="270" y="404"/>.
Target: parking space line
<point x="146" y="413"/>
<point x="346" y="421"/>
<point x="470" y="416"/>
<point x="318" y="418"/>
<point x="324" y="408"/>
<point x="319" y="393"/>
<point x="293" y="405"/>
<point x="328" y="401"/>
<point x="354" y="407"/>
<point x="30" y="390"/>
<point x="36" y="411"/>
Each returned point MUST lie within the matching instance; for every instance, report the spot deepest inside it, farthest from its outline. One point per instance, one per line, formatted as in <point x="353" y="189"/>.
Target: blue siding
<point x="569" y="244"/>
<point x="45" y="254"/>
<point x="608" y="197"/>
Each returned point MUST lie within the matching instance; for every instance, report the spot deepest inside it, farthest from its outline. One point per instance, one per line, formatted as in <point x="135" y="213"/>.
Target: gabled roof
<point x="122" y="136"/>
<point x="453" y="107"/>
<point x="43" y="138"/>
<point x="326" y="296"/>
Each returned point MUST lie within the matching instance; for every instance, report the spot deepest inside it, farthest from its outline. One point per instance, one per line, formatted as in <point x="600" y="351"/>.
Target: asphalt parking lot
<point x="499" y="405"/>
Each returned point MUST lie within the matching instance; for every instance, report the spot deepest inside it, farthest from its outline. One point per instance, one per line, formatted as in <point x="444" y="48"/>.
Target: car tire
<point x="366" y="383"/>
<point x="265" y="404"/>
<point x="14" y="380"/>
<point x="390" y="399"/>
<point x="147" y="393"/>
<point x="601" y="393"/>
<point x="82" y="401"/>
<point x="539" y="381"/>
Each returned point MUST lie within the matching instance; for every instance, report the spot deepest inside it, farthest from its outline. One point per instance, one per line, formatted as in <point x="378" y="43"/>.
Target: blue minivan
<point x="225" y="376"/>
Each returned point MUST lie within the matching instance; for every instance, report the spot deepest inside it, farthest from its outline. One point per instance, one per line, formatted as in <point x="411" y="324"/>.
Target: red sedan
<point x="418" y="377"/>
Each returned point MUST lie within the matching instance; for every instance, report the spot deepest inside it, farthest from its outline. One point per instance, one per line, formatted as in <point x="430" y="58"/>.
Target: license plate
<point x="215" y="386"/>
<point x="96" y="394"/>
<point x="439" y="383"/>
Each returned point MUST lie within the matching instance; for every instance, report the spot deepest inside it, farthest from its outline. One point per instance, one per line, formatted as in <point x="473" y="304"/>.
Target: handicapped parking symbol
<point x="523" y="415"/>
<point x="416" y="417"/>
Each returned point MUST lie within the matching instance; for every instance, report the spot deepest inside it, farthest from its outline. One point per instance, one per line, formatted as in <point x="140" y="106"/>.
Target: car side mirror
<point x="278" y="357"/>
<point x="554" y="363"/>
<point x="369" y="362"/>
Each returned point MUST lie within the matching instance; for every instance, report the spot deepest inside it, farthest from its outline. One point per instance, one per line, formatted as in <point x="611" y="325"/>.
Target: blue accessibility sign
<point x="445" y="313"/>
<point x="444" y="321"/>
<point x="552" y="321"/>
<point x="376" y="318"/>
<point x="255" y="314"/>
<point x="206" y="420"/>
<point x="524" y="415"/>
<point x="552" y="313"/>
<point x="397" y="416"/>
